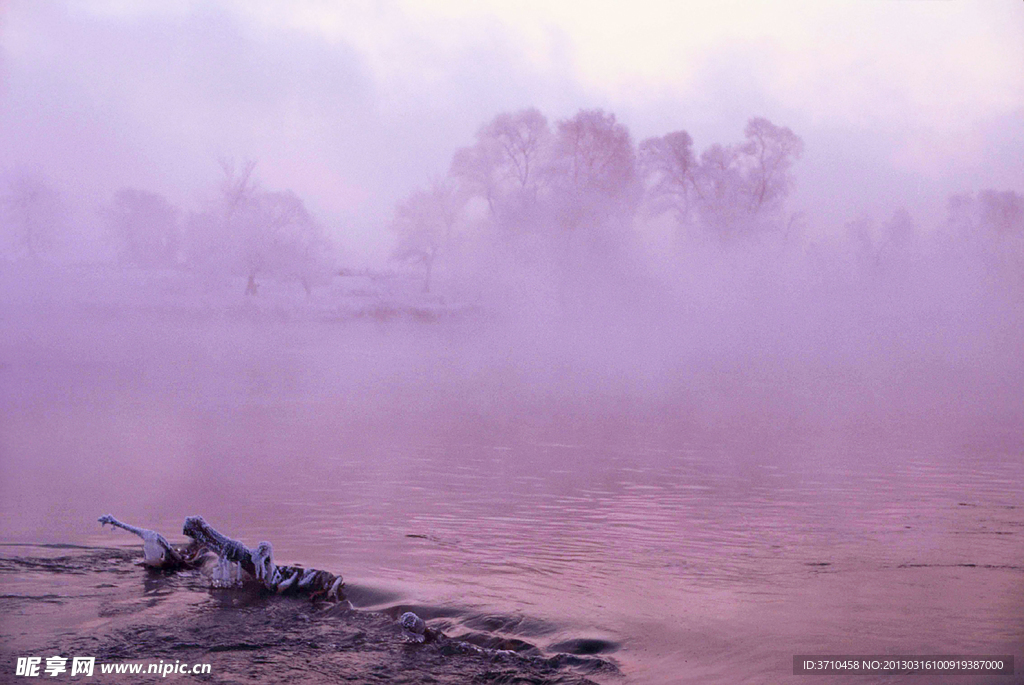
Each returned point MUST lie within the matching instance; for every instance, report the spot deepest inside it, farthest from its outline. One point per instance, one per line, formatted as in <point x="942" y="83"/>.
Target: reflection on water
<point x="687" y="557"/>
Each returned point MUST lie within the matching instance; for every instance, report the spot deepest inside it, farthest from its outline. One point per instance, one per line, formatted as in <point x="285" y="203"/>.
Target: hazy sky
<point x="353" y="104"/>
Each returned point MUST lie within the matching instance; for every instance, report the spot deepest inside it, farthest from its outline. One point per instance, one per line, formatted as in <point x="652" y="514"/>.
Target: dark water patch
<point x="55" y="599"/>
<point x="497" y="642"/>
<point x="369" y="597"/>
<point x="239" y="647"/>
<point x="585" y="646"/>
<point x="102" y="560"/>
<point x="248" y="596"/>
<point x="1001" y="567"/>
<point x="509" y="624"/>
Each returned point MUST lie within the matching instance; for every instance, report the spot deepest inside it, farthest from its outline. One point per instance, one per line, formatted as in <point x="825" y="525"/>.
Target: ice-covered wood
<point x="157" y="551"/>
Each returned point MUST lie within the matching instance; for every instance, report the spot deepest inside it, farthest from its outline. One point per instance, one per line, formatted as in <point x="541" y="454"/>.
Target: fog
<point x="278" y="257"/>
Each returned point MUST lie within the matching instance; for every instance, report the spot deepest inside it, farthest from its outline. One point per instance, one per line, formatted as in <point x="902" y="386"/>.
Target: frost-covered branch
<point x="157" y="551"/>
<point x="259" y="563"/>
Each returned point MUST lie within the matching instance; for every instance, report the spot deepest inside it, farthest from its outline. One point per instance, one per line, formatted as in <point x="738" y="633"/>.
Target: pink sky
<point x="354" y="104"/>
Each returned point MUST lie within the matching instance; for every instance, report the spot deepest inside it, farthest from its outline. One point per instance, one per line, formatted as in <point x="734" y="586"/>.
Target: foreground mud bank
<point x="97" y="602"/>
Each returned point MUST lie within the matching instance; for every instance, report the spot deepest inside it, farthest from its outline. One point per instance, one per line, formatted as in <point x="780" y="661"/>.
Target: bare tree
<point x="739" y="188"/>
<point x="899" y="231"/>
<point x="668" y="165"/>
<point x="520" y="139"/>
<point x="593" y="170"/>
<point x="275" y="233"/>
<point x="897" y="245"/>
<point x="147" y="226"/>
<point x="861" y="243"/>
<point x="720" y="190"/>
<point x="35" y="212"/>
<point x="992" y="213"/>
<point x="425" y="223"/>
<point x="475" y="168"/>
<point x="1002" y="211"/>
<point x="989" y="227"/>
<point x="238" y="186"/>
<point x="772" y="149"/>
<point x="258" y="232"/>
<point x="504" y="166"/>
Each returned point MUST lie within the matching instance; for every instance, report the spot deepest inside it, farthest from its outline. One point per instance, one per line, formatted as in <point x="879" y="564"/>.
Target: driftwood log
<point x="236" y="563"/>
<point x="259" y="563"/>
<point x="157" y="552"/>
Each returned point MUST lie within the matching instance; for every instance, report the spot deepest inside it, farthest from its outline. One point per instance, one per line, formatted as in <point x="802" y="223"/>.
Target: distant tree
<point x="960" y="213"/>
<point x="993" y="213"/>
<point x="272" y="228"/>
<point x="505" y="165"/>
<point x="987" y="231"/>
<point x="740" y="188"/>
<point x="772" y="150"/>
<point x="859" y="243"/>
<point x="35" y="214"/>
<point x="1002" y="211"/>
<point x="899" y="230"/>
<point x="238" y="188"/>
<point x="147" y="226"/>
<point x="424" y="224"/>
<point x="520" y="138"/>
<point x="593" y="171"/>
<point x="669" y="166"/>
<point x="721" y="191"/>
<point x="306" y="254"/>
<point x="897" y="245"/>
<point x="218" y="235"/>
<point x="991" y="227"/>
<point x="257" y="232"/>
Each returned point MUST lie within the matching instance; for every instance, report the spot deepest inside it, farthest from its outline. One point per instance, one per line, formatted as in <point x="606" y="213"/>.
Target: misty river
<point x="542" y="343"/>
<point x="437" y="468"/>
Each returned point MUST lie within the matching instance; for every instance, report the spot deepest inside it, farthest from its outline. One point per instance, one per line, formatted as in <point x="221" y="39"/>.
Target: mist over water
<point x="727" y="487"/>
<point x="556" y="381"/>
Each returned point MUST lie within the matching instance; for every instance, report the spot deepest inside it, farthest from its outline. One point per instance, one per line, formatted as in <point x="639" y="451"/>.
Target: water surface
<point x="688" y="550"/>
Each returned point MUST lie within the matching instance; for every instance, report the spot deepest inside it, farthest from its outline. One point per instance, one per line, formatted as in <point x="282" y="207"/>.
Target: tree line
<point x="576" y="191"/>
<point x="244" y="230"/>
<point x="581" y="184"/>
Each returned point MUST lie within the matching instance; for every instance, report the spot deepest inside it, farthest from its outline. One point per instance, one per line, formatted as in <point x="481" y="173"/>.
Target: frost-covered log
<point x="313" y="581"/>
<point x="259" y="563"/>
<point x="235" y="561"/>
<point x="224" y="547"/>
<point x="157" y="551"/>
